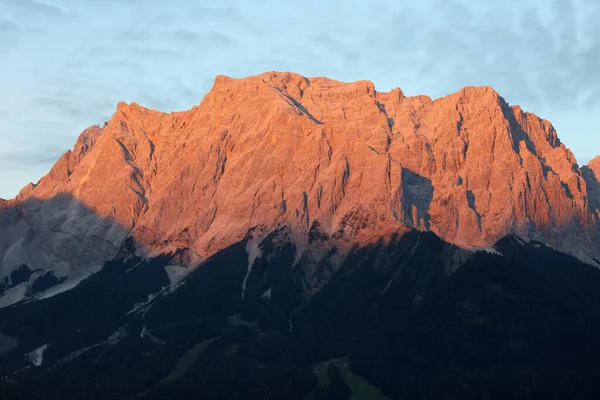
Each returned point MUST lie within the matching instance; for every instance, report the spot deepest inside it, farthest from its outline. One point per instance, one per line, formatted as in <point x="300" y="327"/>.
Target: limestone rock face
<point x="591" y="174"/>
<point x="336" y="161"/>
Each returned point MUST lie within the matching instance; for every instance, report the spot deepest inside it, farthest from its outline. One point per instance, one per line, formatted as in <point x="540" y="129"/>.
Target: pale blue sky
<point x="64" y="64"/>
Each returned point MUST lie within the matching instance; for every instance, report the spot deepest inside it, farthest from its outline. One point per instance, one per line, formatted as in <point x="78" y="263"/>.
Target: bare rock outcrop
<point x="281" y="150"/>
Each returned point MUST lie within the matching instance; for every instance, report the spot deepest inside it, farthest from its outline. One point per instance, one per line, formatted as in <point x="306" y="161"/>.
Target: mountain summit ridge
<point x="321" y="158"/>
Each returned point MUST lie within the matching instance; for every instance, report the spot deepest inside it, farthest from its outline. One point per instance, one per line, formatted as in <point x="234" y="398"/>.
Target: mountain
<point x="591" y="174"/>
<point x="337" y="160"/>
<point x="407" y="317"/>
<point x="291" y="233"/>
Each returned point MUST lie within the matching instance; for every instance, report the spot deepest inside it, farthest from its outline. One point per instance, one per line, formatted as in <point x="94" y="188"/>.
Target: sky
<point x="65" y="64"/>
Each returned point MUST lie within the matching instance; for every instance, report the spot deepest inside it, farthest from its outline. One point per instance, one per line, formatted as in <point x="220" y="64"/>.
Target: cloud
<point x="10" y="34"/>
<point x="185" y="35"/>
<point x="15" y="159"/>
<point x="221" y="39"/>
<point x="9" y="28"/>
<point x="21" y="166"/>
<point x="541" y="55"/>
<point x="181" y="37"/>
<point x="154" y="52"/>
<point x="37" y="7"/>
<point x="53" y="105"/>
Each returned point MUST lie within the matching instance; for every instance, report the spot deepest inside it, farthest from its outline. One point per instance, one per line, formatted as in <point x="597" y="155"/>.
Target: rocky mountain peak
<point x="335" y="164"/>
<point x="594" y="165"/>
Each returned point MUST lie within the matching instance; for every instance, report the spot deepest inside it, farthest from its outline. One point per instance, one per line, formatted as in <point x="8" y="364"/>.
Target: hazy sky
<point x="64" y="64"/>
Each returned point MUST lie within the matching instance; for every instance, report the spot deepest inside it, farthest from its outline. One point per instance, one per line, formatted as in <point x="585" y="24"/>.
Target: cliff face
<point x="336" y="161"/>
<point x="591" y="174"/>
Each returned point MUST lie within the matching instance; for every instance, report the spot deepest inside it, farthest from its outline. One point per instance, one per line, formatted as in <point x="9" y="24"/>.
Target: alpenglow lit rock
<point x="337" y="161"/>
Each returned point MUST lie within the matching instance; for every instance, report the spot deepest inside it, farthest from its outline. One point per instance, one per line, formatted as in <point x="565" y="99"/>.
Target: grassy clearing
<point x="321" y="371"/>
<point x="359" y="387"/>
<point x="186" y="361"/>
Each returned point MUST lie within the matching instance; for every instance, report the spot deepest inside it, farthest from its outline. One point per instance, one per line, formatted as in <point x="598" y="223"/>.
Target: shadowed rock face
<point x="591" y="175"/>
<point x="281" y="150"/>
<point x="417" y="317"/>
<point x="417" y="193"/>
<point x="56" y="241"/>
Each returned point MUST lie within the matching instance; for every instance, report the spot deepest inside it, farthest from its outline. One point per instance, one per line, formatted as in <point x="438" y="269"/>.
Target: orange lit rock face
<point x="281" y="150"/>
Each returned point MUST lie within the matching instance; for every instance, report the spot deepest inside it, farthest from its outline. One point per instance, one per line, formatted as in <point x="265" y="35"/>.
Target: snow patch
<point x="266" y="294"/>
<point x="116" y="336"/>
<point x="521" y="241"/>
<point x="36" y="357"/>
<point x="164" y="291"/>
<point x="135" y="266"/>
<point x="69" y="284"/>
<point x="59" y="234"/>
<point x="254" y="252"/>
<point x="112" y="340"/>
<point x="71" y="356"/>
<point x="14" y="294"/>
<point x="176" y="273"/>
<point x="491" y="250"/>
<point x="146" y="334"/>
<point x="139" y="306"/>
<point x="19" y="292"/>
<point x="387" y="286"/>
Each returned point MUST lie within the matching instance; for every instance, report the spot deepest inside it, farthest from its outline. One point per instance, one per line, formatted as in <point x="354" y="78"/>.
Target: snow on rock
<point x="36" y="357"/>
<point x="14" y="295"/>
<point x="146" y="334"/>
<point x="176" y="273"/>
<point x="111" y="341"/>
<point x="116" y="336"/>
<point x="58" y="234"/>
<point x="254" y="252"/>
<point x="69" y="283"/>
<point x="140" y="306"/>
<point x="489" y="250"/>
<point x="20" y="292"/>
<point x="135" y="266"/>
<point x="360" y="162"/>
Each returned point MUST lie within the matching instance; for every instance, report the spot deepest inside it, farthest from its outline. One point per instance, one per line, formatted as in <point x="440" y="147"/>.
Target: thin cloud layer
<point x="65" y="64"/>
<point x="35" y="7"/>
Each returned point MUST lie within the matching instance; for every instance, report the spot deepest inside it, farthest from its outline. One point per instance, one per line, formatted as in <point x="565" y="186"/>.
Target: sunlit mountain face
<point x="294" y="237"/>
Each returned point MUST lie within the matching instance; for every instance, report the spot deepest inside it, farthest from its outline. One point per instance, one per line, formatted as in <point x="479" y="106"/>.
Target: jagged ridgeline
<point x="296" y="237"/>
